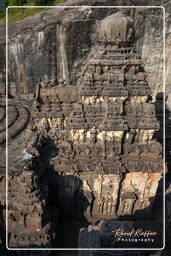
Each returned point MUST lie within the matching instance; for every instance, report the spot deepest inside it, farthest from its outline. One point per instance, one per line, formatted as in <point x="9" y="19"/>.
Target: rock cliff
<point x="59" y="45"/>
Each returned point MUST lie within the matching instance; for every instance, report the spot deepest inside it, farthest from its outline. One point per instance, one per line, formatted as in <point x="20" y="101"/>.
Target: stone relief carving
<point x="108" y="164"/>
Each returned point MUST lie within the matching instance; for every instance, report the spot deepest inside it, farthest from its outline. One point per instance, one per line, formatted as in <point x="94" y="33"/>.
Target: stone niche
<point x="110" y="196"/>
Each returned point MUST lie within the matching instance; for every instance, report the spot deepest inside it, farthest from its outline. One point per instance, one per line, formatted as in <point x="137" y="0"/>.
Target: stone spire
<point x="116" y="28"/>
<point x="112" y="125"/>
<point x="105" y="126"/>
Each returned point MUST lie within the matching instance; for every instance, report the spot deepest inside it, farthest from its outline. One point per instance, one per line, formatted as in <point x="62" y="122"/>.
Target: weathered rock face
<point x="98" y="159"/>
<point x="44" y="38"/>
<point x="103" y="156"/>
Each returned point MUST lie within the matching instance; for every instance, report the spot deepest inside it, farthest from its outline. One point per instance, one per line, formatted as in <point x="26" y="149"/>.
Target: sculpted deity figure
<point x="105" y="205"/>
<point x="105" y="69"/>
<point x="128" y="206"/>
<point x="113" y="141"/>
<point x="93" y="135"/>
<point x="89" y="75"/>
<point x="98" y="70"/>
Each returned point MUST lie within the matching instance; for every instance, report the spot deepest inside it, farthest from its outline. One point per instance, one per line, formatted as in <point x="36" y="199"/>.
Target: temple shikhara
<point x="88" y="153"/>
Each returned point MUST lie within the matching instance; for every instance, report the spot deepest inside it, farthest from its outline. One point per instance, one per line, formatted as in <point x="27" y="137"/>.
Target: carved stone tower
<point x="111" y="145"/>
<point x="93" y="155"/>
